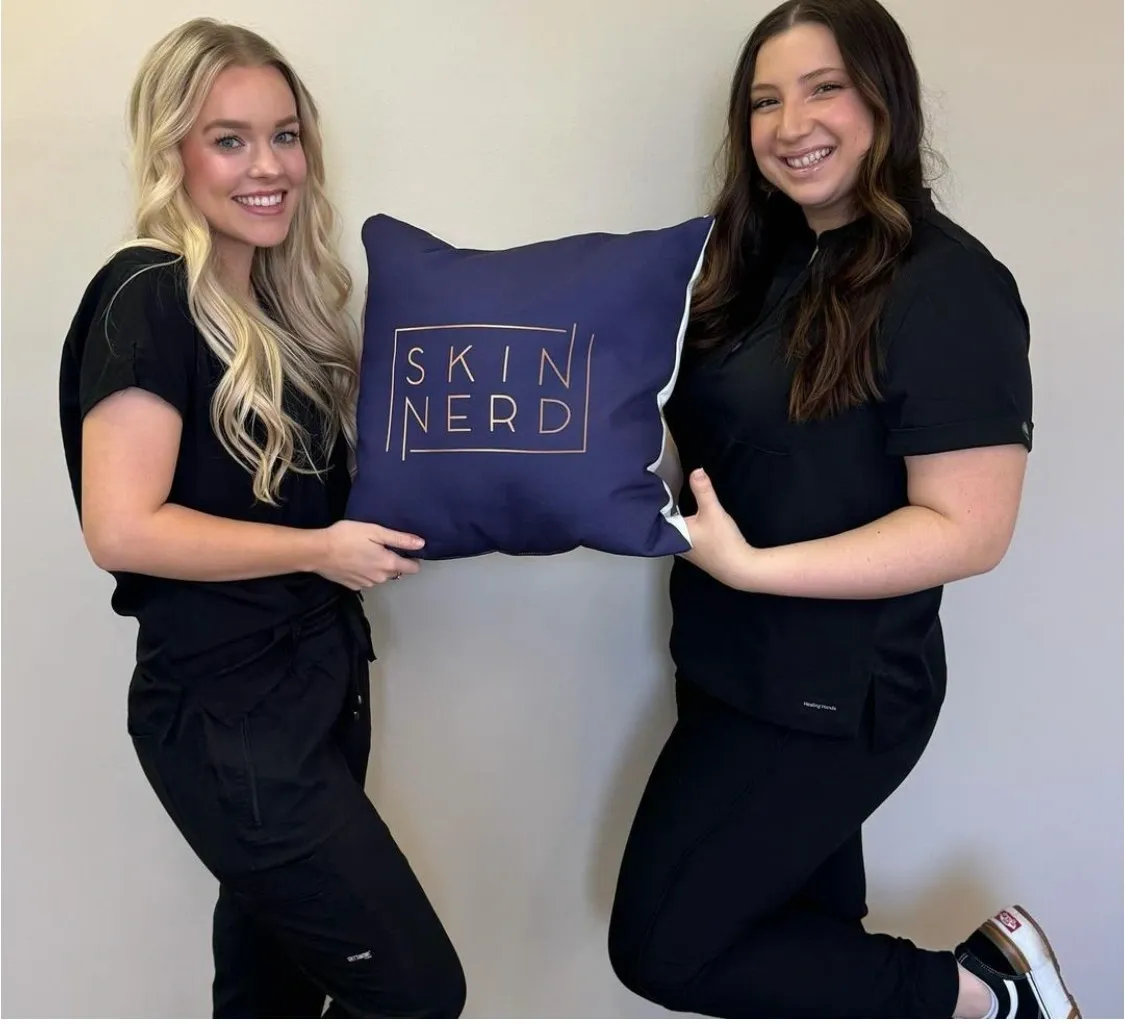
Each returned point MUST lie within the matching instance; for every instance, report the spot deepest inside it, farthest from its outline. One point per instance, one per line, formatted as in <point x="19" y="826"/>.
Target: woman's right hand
<point x="358" y="555"/>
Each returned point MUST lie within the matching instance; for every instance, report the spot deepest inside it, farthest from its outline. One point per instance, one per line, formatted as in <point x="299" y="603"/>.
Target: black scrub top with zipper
<point x="133" y="328"/>
<point x="954" y="337"/>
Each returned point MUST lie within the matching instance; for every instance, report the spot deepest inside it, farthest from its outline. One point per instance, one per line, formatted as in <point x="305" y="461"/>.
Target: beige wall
<point x="521" y="703"/>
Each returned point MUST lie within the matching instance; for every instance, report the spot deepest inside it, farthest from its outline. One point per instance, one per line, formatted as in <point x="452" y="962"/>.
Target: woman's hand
<point x="357" y="555"/>
<point x="717" y="545"/>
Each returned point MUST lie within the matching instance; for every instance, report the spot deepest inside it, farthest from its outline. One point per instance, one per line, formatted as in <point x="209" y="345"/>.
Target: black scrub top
<point x="133" y="329"/>
<point x="954" y="334"/>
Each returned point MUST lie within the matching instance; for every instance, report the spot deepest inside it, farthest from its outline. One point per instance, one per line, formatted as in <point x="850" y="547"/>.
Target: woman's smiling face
<point x="244" y="166"/>
<point x="810" y="128"/>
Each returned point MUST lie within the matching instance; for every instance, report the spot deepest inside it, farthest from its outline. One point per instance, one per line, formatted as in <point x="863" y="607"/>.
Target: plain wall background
<point x="520" y="704"/>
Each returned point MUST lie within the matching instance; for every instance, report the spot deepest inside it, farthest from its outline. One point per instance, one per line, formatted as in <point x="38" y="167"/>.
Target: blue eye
<point x="290" y="137"/>
<point x="228" y="142"/>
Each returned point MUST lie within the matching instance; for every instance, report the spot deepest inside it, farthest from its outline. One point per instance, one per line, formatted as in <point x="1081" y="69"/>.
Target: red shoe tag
<point x="1008" y="921"/>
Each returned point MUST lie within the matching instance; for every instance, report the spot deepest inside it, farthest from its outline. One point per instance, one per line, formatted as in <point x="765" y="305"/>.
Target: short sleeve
<point x="139" y="335"/>
<point x="957" y="373"/>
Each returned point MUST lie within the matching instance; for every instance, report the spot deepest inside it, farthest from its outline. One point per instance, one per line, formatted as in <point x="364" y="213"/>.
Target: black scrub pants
<point x="742" y="888"/>
<point x="261" y="766"/>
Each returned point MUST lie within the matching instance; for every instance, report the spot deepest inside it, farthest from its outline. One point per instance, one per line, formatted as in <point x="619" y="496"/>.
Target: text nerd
<point x="489" y="388"/>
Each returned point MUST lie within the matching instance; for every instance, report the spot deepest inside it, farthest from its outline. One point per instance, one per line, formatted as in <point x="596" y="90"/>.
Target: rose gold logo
<point x="489" y="388"/>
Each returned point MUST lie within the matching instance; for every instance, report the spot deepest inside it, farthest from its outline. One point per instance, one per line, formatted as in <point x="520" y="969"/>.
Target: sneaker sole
<point x="1050" y="991"/>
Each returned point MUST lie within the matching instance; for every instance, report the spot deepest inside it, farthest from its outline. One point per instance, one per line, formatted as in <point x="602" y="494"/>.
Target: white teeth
<point x="273" y="200"/>
<point x="809" y="158"/>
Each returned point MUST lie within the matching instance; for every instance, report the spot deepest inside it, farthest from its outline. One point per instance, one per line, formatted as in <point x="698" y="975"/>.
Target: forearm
<point x="909" y="550"/>
<point x="183" y="544"/>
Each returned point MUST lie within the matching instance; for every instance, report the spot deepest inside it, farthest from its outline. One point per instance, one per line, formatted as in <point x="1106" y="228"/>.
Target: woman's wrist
<point x="746" y="568"/>
<point x="312" y="550"/>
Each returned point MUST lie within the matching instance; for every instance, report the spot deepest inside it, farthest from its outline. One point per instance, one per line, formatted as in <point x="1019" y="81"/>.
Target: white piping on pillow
<point x="670" y="511"/>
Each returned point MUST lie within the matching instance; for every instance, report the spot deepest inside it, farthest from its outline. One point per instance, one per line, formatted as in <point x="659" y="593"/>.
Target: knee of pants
<point x="638" y="971"/>
<point x="444" y="995"/>
<point x="438" y="993"/>
<point x="434" y="989"/>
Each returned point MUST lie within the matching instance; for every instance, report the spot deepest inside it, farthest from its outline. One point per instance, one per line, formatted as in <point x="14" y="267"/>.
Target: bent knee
<point x="662" y="983"/>
<point x="440" y="993"/>
<point x="437" y="991"/>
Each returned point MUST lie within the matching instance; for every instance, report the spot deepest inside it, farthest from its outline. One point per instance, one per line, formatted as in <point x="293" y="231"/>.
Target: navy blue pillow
<point x="512" y="401"/>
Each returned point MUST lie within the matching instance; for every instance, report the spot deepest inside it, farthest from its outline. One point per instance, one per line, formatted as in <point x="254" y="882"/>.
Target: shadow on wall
<point x="939" y="911"/>
<point x="638" y="754"/>
<point x="380" y="632"/>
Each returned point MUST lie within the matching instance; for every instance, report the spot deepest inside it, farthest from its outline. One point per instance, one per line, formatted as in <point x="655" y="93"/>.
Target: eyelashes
<point x="822" y="89"/>
<point x="232" y="143"/>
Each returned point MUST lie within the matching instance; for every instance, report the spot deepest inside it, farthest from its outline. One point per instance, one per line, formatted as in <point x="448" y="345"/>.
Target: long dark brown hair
<point x="831" y="323"/>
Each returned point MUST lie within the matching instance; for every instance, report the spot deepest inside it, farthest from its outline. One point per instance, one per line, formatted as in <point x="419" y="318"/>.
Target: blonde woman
<point x="207" y="395"/>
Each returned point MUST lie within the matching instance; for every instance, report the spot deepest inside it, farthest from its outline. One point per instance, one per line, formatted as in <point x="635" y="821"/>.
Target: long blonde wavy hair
<point x="304" y="337"/>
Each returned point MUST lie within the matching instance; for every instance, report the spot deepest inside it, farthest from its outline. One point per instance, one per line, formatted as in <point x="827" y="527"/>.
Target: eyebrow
<point x="806" y="77"/>
<point x="243" y="126"/>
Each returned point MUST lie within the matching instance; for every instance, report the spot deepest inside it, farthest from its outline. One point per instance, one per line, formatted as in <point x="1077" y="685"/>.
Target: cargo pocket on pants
<point x="251" y="776"/>
<point x="228" y="750"/>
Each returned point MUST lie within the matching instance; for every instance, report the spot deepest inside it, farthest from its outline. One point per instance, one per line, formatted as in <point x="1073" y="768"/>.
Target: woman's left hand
<point x="717" y="545"/>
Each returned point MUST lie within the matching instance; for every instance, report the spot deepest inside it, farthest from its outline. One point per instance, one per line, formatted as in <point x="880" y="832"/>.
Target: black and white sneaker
<point x="1013" y="957"/>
